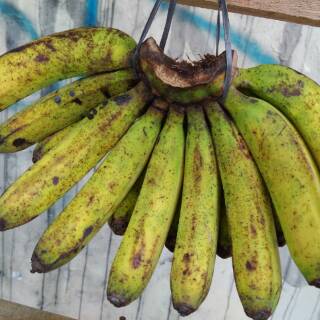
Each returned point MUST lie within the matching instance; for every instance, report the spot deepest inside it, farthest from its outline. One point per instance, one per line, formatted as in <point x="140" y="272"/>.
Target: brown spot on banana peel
<point x="182" y="82"/>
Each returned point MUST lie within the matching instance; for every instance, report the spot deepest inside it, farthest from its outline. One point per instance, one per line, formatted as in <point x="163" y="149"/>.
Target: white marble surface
<point x="78" y="289"/>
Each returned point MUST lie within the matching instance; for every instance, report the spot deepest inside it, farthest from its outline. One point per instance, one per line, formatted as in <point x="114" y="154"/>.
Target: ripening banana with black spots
<point x="59" y="169"/>
<point x="51" y="142"/>
<point x="196" y="243"/>
<point x="63" y="55"/>
<point x="255" y="255"/>
<point x="61" y="108"/>
<point x="294" y="94"/>
<point x="119" y="221"/>
<point x="290" y="174"/>
<point x="146" y="234"/>
<point x="99" y="198"/>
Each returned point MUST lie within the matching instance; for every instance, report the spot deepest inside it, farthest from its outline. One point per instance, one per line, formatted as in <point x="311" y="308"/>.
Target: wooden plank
<point x="297" y="11"/>
<point x="10" y="311"/>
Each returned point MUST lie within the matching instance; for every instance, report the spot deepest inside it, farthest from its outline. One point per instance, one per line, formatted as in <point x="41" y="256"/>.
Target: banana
<point x="61" y="108"/>
<point x="48" y="179"/>
<point x="119" y="221"/>
<point x="50" y="142"/>
<point x="290" y="175"/>
<point x="224" y="248"/>
<point x="63" y="55"/>
<point x="255" y="255"/>
<point x="294" y="94"/>
<point x="98" y="199"/>
<point x="144" y="239"/>
<point x="195" y="249"/>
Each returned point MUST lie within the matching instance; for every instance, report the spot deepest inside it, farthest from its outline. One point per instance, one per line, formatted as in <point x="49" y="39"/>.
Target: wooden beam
<point x="14" y="311"/>
<point x="297" y="11"/>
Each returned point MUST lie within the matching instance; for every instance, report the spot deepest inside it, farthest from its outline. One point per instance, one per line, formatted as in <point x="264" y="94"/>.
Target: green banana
<point x="294" y="94"/>
<point x="48" y="179"/>
<point x="98" y="199"/>
<point x="195" y="249"/>
<point x="50" y="142"/>
<point x="119" y="221"/>
<point x="255" y="255"/>
<point x="61" y="108"/>
<point x="63" y="55"/>
<point x="224" y="249"/>
<point x="290" y="175"/>
<point x="144" y="239"/>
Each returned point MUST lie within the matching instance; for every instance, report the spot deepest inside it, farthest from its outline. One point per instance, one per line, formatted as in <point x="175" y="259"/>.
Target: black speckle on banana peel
<point x="59" y="109"/>
<point x="98" y="199"/>
<point x="70" y="160"/>
<point x="63" y="55"/>
<point x="182" y="82"/>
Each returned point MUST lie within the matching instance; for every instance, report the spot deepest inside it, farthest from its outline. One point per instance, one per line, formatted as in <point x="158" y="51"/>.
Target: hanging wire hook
<point x="222" y="7"/>
<point x="146" y="29"/>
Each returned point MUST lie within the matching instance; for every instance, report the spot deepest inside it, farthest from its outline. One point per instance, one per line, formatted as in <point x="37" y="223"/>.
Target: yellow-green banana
<point x="48" y="179"/>
<point x="255" y="255"/>
<point x="290" y="175"/>
<point x="119" y="221"/>
<point x="224" y="248"/>
<point x="294" y="94"/>
<point x="98" y="199"/>
<point x="50" y="142"/>
<point x="144" y="239"/>
<point x="63" y="55"/>
<point x="60" y="109"/>
<point x="196" y="243"/>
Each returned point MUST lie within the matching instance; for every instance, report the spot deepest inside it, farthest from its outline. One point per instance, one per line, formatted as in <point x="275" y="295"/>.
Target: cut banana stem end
<point x="290" y="174"/>
<point x="144" y="240"/>
<point x="255" y="255"/>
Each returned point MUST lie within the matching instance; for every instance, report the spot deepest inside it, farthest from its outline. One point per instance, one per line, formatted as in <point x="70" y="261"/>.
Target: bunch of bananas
<point x="176" y="168"/>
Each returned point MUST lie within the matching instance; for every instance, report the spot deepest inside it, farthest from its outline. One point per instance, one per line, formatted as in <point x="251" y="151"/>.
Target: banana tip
<point x="36" y="264"/>
<point x="315" y="283"/>
<point x="3" y="224"/>
<point x="118" y="226"/>
<point x="117" y="300"/>
<point x="259" y="315"/>
<point x="184" y="309"/>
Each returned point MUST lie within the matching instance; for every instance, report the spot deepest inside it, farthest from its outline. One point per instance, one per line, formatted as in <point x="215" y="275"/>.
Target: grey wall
<point x="77" y="289"/>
